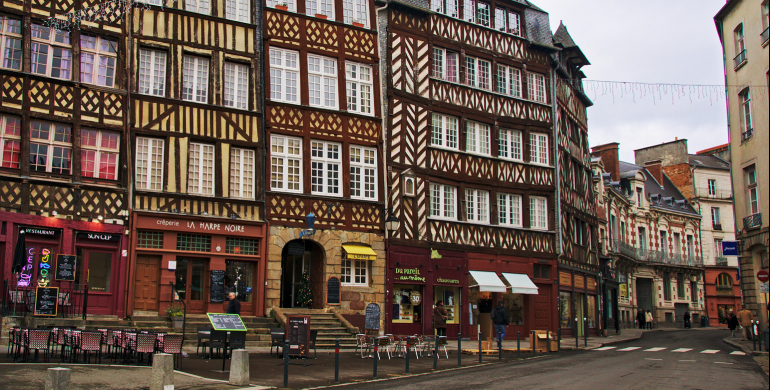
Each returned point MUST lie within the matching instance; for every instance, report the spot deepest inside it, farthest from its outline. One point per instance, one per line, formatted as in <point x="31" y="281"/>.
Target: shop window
<point x="479" y="302"/>
<point x="239" y="276"/>
<point x="242" y="246"/>
<point x="407" y="304"/>
<point x="542" y="271"/>
<point x="149" y="239"/>
<point x="591" y="311"/>
<point x="93" y="269"/>
<point x="355" y="272"/>
<point x="192" y="242"/>
<point x="451" y="298"/>
<point x="514" y="307"/>
<point x="565" y="319"/>
<point x="723" y="311"/>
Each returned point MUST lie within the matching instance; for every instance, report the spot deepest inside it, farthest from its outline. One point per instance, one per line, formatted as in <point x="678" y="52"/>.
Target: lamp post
<point x="391" y="224"/>
<point x="310" y="218"/>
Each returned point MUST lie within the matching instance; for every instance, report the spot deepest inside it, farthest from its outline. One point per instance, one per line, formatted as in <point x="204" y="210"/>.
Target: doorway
<point x="644" y="293"/>
<point x="580" y="313"/>
<point x="300" y="257"/>
<point x="189" y="278"/>
<point x="94" y="268"/>
<point x="146" y="283"/>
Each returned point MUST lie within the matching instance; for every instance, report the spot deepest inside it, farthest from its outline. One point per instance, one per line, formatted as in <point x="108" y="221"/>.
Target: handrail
<point x="184" y="309"/>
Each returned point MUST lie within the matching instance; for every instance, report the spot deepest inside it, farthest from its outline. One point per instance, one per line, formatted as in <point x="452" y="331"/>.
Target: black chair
<point x="218" y="340"/>
<point x="311" y="342"/>
<point x="237" y="341"/>
<point x="204" y="333"/>
<point x="276" y="340"/>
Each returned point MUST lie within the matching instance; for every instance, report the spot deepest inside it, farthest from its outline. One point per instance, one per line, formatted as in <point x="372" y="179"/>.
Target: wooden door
<point x="542" y="306"/>
<point x="147" y="283"/>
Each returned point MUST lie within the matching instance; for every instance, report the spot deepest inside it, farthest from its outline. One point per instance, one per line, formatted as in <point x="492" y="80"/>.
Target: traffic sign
<point x="764" y="288"/>
<point x="763" y="276"/>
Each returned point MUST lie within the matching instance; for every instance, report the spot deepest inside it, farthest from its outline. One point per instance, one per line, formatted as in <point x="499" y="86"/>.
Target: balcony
<point x="720" y="261"/>
<point x="725" y="290"/>
<point x="655" y="257"/>
<point x="747" y="134"/>
<point x="753" y="221"/>
<point x="714" y="193"/>
<point x="765" y="35"/>
<point x="739" y="59"/>
<point x="717" y="226"/>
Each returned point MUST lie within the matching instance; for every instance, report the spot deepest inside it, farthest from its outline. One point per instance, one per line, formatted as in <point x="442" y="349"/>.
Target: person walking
<point x="649" y="319"/>
<point x="500" y="320"/>
<point x="687" y="323"/>
<point x="732" y="323"/>
<point x="439" y="318"/>
<point x="234" y="307"/>
<point x="641" y="319"/>
<point x="745" y="317"/>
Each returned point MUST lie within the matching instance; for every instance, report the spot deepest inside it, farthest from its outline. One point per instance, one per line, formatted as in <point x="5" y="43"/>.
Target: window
<point x="536" y="87"/>
<point x="510" y="144"/>
<point x="50" y="148"/>
<point x="149" y="239"/>
<point x="509" y="209"/>
<point x="746" y="127"/>
<point x="716" y="222"/>
<point x="200" y="170"/>
<point x="469" y="11"/>
<point x="663" y="241"/>
<point x="241" y="173"/>
<point x="642" y="239"/>
<point x="242" y="246"/>
<point x="712" y="187"/>
<point x="325" y="168"/>
<point x="740" y="44"/>
<point x="476" y="206"/>
<point x="542" y="271"/>
<point x="152" y="72"/>
<point x="51" y="52"/>
<point x="99" y="53"/>
<point x="578" y="230"/>
<point x="483" y="14"/>
<point x="690" y="247"/>
<point x="514" y="23"/>
<point x="538" y="212"/>
<point x="238" y="10"/>
<point x="442" y="201"/>
<point x="444" y="131"/>
<point x="355" y="272"/>
<point x="236" y="85"/>
<point x="284" y="72"/>
<point x="99" y="151"/>
<point x="677" y="243"/>
<point x="680" y="286"/>
<point x="538" y="148"/>
<point x="477" y="72"/>
<point x="359" y="87"/>
<point x="752" y="191"/>
<point x="447" y="7"/>
<point x="666" y="286"/>
<point x="239" y="275"/>
<point x="639" y="192"/>
<point x="323" y="7"/>
<point x="322" y="81"/>
<point x="355" y="11"/>
<point x="363" y="173"/>
<point x="718" y="248"/>
<point x="195" y="79"/>
<point x="507" y="21"/>
<point x="286" y="164"/>
<point x="193" y="242"/>
<point x="199" y="6"/>
<point x="10" y="42"/>
<point x="290" y="3"/>
<point x="149" y="164"/>
<point x="445" y="64"/>
<point x="476" y="12"/>
<point x="10" y="141"/>
<point x="509" y="81"/>
<point x="477" y="138"/>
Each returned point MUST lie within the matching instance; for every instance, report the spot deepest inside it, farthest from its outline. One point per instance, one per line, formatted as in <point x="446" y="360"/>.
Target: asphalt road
<point x="695" y="359"/>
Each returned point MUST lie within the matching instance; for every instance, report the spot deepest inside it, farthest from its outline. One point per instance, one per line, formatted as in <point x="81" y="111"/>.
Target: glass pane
<point x="196" y="281"/>
<point x="99" y="270"/>
<point x="180" y="275"/>
<point x="238" y="278"/>
<point x="79" y="261"/>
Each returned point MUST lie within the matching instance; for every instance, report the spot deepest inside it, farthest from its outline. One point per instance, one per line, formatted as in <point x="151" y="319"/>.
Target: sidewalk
<point x="746" y="345"/>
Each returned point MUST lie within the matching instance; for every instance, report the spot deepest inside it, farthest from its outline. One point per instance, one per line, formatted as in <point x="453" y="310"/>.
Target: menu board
<point x="372" y="317"/>
<point x="65" y="267"/>
<point x="46" y="301"/>
<point x="217" y="289"/>
<point x="298" y="334"/>
<point x="333" y="291"/>
<point x="222" y="321"/>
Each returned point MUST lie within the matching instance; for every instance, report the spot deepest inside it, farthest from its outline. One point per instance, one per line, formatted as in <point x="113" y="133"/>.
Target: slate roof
<point x="652" y="189"/>
<point x="712" y="162"/>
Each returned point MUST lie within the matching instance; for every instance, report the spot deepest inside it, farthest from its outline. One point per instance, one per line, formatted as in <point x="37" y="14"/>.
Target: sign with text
<point x="298" y="334"/>
<point x="623" y="290"/>
<point x="333" y="291"/>
<point x="565" y="279"/>
<point x="65" y="267"/>
<point x="222" y="321"/>
<point x="729" y="248"/>
<point x="372" y="317"/>
<point x="763" y="276"/>
<point x="409" y="275"/>
<point x="217" y="289"/>
<point x="98" y="236"/>
<point x="46" y="299"/>
<point x="591" y="284"/>
<point x="764" y="288"/>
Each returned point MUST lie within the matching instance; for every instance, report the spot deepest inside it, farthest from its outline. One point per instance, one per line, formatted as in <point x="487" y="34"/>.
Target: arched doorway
<point x="298" y="257"/>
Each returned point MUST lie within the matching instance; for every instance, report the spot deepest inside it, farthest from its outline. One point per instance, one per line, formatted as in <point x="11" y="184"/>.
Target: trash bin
<point x="704" y="322"/>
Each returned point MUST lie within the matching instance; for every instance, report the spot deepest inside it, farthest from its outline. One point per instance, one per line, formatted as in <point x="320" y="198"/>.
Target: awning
<point x="520" y="284"/>
<point x="487" y="281"/>
<point x="359" y="252"/>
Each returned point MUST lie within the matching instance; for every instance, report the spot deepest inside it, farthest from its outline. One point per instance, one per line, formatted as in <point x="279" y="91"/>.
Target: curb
<point x="745" y="348"/>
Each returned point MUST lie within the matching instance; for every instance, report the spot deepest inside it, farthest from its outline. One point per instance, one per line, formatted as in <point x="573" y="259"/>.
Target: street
<point x="660" y="360"/>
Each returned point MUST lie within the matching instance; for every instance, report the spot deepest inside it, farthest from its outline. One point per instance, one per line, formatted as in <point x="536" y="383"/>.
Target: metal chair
<point x="427" y="345"/>
<point x="362" y="343"/>
<point x="172" y="343"/>
<point x="145" y="344"/>
<point x="204" y="332"/>
<point x="276" y="340"/>
<point x="218" y="341"/>
<point x="39" y="340"/>
<point x="442" y="343"/>
<point x="237" y="341"/>
<point x="90" y="342"/>
<point x="311" y="342"/>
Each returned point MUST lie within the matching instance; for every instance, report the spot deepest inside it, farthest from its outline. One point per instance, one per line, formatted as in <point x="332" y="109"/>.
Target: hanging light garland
<point x="111" y="11"/>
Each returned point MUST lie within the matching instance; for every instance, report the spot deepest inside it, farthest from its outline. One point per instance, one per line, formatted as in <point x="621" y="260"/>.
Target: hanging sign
<point x="65" y="267"/>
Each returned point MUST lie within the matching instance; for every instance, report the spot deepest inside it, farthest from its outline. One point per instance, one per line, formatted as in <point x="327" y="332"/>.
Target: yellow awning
<point x="358" y="252"/>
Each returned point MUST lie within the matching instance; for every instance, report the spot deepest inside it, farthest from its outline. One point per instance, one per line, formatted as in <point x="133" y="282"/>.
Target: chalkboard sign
<point x="217" y="289"/>
<point x="221" y="321"/>
<point x="46" y="299"/>
<point x="296" y="248"/>
<point x="372" y="317"/>
<point x="65" y="267"/>
<point x="333" y="291"/>
<point x="298" y="333"/>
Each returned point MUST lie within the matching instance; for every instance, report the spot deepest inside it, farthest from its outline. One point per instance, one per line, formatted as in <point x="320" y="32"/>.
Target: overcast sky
<point x="654" y="41"/>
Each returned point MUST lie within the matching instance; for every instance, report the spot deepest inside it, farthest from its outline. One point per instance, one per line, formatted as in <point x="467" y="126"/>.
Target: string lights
<point x="111" y="11"/>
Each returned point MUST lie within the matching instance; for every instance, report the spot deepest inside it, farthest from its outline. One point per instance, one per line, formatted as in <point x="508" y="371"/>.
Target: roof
<point x="652" y="187"/>
<point x="715" y="148"/>
<point x="562" y="38"/>
<point x="705" y="161"/>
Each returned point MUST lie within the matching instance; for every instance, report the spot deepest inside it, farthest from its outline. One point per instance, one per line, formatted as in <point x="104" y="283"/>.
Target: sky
<point x="654" y="41"/>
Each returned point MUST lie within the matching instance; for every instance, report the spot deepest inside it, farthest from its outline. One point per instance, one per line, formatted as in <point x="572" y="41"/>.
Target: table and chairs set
<point x="396" y="346"/>
<point x="223" y="342"/>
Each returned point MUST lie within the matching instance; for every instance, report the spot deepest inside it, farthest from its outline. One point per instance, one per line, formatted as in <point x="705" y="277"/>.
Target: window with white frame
<point x="322" y="7"/>
<point x="285" y="163"/>
<point x="10" y="141"/>
<point x="363" y="173"/>
<point x="322" y="81"/>
<point x="50" y="147"/>
<point x="745" y="101"/>
<point x="477" y="72"/>
<point x="238" y="10"/>
<point x="538" y="148"/>
<point x="443" y="201"/>
<point x="536" y="87"/>
<point x="241" y="173"/>
<point x="356" y="11"/>
<point x="712" y="183"/>
<point x="149" y="164"/>
<point x="752" y="190"/>
<point x="718" y="247"/>
<point x="325" y="164"/>
<point x="199" y="6"/>
<point x="99" y="150"/>
<point x="236" y="85"/>
<point x="446" y="7"/>
<point x="152" y="72"/>
<point x="284" y="75"/>
<point x="740" y="43"/>
<point x="10" y="42"/>
<point x="716" y="222"/>
<point x="476" y="205"/>
<point x="538" y="212"/>
<point x="509" y="209"/>
<point x="508" y="21"/>
<point x="477" y="138"/>
<point x="195" y="79"/>
<point x="510" y="145"/>
<point x="445" y="64"/>
<point x="355" y="272"/>
<point x="200" y="170"/>
<point x="477" y="12"/>
<point x="291" y="4"/>
<point x="508" y="80"/>
<point x="97" y="60"/>
<point x="444" y="132"/>
<point x="51" y="52"/>
<point x="359" y="85"/>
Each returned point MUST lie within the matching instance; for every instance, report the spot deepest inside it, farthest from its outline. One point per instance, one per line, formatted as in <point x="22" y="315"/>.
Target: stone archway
<point x="299" y="256"/>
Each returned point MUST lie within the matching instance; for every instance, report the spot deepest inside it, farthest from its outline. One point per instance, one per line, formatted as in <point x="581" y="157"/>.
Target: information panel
<point x="65" y="267"/>
<point x="222" y="321"/>
<point x="217" y="289"/>
<point x="298" y="334"/>
<point x="46" y="301"/>
<point x="372" y="317"/>
<point x="333" y="291"/>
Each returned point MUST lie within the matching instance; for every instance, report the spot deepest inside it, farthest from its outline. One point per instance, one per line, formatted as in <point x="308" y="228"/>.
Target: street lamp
<point x="310" y="218"/>
<point x="391" y="223"/>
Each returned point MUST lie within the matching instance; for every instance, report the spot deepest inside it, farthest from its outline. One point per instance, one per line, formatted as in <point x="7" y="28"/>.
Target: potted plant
<point x="320" y="16"/>
<point x="358" y="23"/>
<point x="175" y="313"/>
<point x="282" y="6"/>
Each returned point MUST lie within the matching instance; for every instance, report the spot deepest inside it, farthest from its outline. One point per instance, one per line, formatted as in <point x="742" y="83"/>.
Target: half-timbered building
<point x="471" y="167"/>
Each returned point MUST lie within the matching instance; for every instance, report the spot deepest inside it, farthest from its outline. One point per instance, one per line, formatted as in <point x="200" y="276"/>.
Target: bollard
<point x="558" y="345"/>
<point x="337" y="361"/>
<point x="435" y="352"/>
<point x="376" y="357"/>
<point x="408" y="347"/>
<point x="518" y="344"/>
<point x="500" y="350"/>
<point x="162" y="371"/>
<point x="547" y="341"/>
<point x="58" y="379"/>
<point x="533" y="343"/>
<point x="577" y="335"/>
<point x="585" y="331"/>
<point x="239" y="368"/>
<point x="753" y="339"/>
<point x="480" y="350"/>
<point x="286" y="363"/>
<point x="459" y="350"/>
<point x="756" y="335"/>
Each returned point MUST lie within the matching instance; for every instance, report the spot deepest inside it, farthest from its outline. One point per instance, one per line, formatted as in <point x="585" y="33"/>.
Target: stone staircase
<point x="327" y="324"/>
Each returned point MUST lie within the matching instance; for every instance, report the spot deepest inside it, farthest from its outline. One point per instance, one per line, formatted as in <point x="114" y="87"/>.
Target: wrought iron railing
<point x="714" y="193"/>
<point x="765" y="35"/>
<point x="655" y="257"/>
<point x="747" y="134"/>
<point x="717" y="226"/>
<point x="740" y="58"/>
<point x="752" y="221"/>
<point x="720" y="261"/>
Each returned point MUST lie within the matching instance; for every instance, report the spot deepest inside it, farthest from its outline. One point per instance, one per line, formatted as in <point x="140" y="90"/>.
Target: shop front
<point x="197" y="260"/>
<point x="578" y="308"/>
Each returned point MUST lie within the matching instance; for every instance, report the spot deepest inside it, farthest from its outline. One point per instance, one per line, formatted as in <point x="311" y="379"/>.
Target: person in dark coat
<point x="732" y="323"/>
<point x="439" y="318"/>
<point x="500" y="320"/>
<point x="234" y="307"/>
<point x="687" y="323"/>
<point x="641" y="319"/>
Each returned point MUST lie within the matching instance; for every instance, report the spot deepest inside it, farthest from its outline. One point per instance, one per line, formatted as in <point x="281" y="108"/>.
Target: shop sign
<point x="415" y="298"/>
<point x="623" y="290"/>
<point x="450" y="281"/>
<point x="592" y="284"/>
<point x="98" y="236"/>
<point x="25" y="277"/>
<point x="200" y="226"/>
<point x="565" y="279"/>
<point x="42" y="232"/>
<point x="580" y="282"/>
<point x="409" y="274"/>
<point x="45" y="265"/>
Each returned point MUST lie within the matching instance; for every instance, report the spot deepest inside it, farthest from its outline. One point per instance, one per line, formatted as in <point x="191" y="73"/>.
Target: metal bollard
<point x="480" y="350"/>
<point x="286" y="363"/>
<point x="753" y="339"/>
<point x="533" y="344"/>
<point x="408" y="347"/>
<point x="500" y="350"/>
<point x="558" y="345"/>
<point x="337" y="361"/>
<point x="518" y="344"/>
<point x="459" y="350"/>
<point x="435" y="352"/>
<point x="577" y="335"/>
<point x="548" y="341"/>
<point x="376" y="358"/>
<point x="585" y="330"/>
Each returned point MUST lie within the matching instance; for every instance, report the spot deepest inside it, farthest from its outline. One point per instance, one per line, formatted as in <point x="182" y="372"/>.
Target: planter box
<point x="356" y="24"/>
<point x="282" y="7"/>
<point x="320" y="16"/>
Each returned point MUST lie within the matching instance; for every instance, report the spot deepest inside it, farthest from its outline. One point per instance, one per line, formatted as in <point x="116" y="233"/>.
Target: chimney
<point x="655" y="170"/>
<point x="609" y="155"/>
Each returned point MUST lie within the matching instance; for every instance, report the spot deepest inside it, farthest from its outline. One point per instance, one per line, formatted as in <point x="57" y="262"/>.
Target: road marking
<point x="722" y="363"/>
<point x="628" y="349"/>
<point x="737" y="353"/>
<point x="604" y="348"/>
<point x="687" y="360"/>
<point x="682" y="350"/>
<point x="656" y="349"/>
<point x="652" y="359"/>
<point x="711" y="351"/>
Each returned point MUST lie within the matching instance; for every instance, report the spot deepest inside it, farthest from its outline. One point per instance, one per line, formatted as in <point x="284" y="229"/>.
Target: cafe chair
<point x="362" y="343"/>
<point x="442" y="343"/>
<point x="237" y="341"/>
<point x="204" y="332"/>
<point x="311" y="342"/>
<point x="172" y="343"/>
<point x="217" y="341"/>
<point x="14" y="340"/>
<point x="145" y="345"/>
<point x="91" y="342"/>
<point x="38" y="340"/>
<point x="276" y="340"/>
<point x="383" y="343"/>
<point x="426" y="346"/>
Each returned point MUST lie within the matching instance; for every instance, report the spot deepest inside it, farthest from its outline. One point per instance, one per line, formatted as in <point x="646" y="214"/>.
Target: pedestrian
<point x="687" y="323"/>
<point x="732" y="323"/>
<point x="234" y="307"/>
<point x="649" y="319"/>
<point x="641" y="319"/>
<point x="500" y="320"/>
<point x="744" y="318"/>
<point x="439" y="318"/>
